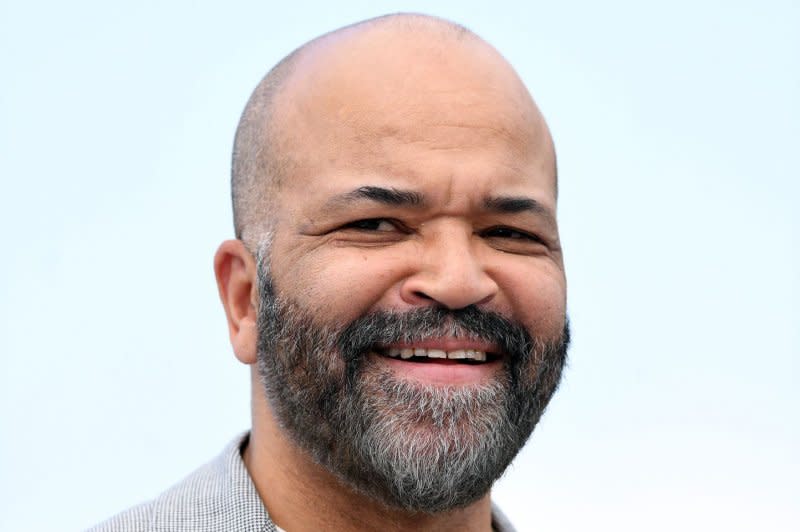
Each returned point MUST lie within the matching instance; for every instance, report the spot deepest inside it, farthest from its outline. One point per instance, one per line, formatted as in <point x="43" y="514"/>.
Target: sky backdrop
<point x="677" y="127"/>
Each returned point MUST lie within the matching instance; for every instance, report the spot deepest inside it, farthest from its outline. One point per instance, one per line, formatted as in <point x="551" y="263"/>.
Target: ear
<point x="235" y="270"/>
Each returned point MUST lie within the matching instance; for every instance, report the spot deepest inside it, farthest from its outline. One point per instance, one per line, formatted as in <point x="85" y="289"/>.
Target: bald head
<point x="352" y="89"/>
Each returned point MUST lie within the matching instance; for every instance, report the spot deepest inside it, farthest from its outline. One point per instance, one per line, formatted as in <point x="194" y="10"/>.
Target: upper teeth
<point x="408" y="352"/>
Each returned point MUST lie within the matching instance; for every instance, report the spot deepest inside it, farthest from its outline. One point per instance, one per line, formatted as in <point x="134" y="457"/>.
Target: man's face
<point x="418" y="217"/>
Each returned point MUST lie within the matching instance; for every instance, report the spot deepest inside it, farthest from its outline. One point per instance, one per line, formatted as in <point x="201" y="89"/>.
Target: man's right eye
<point x="373" y="224"/>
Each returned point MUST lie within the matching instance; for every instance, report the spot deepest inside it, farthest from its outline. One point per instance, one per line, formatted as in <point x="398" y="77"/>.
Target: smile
<point x="421" y="354"/>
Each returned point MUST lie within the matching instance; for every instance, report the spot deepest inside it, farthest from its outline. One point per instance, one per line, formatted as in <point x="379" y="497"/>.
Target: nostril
<point x="448" y="289"/>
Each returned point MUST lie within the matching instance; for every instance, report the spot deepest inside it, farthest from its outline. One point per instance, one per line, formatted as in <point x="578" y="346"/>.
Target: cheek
<point x="536" y="297"/>
<point x="339" y="286"/>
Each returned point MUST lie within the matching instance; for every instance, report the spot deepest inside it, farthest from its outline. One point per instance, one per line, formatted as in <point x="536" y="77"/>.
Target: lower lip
<point x="442" y="371"/>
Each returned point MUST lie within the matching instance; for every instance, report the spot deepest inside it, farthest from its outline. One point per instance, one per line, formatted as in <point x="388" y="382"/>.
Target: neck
<point x="301" y="495"/>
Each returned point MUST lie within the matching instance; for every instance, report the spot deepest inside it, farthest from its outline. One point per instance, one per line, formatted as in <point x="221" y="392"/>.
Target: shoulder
<point x="218" y="496"/>
<point x="136" y="519"/>
<point x="182" y="507"/>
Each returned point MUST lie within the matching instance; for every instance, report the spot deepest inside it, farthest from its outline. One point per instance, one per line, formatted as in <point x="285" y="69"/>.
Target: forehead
<point x="418" y="110"/>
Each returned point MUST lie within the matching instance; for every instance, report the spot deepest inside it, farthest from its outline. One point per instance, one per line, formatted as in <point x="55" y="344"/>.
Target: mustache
<point x="386" y="327"/>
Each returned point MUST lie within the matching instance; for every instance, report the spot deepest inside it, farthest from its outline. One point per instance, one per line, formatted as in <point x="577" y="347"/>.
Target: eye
<point x="511" y="234"/>
<point x="380" y="225"/>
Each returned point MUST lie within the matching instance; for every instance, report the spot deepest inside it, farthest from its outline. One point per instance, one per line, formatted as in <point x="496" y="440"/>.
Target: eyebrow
<point x="514" y="205"/>
<point x="409" y="198"/>
<point x="386" y="196"/>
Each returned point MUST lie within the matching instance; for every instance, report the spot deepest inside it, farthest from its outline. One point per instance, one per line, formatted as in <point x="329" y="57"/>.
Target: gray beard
<point x="420" y="448"/>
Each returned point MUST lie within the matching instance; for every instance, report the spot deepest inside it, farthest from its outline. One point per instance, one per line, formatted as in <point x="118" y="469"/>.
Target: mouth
<point x="424" y="355"/>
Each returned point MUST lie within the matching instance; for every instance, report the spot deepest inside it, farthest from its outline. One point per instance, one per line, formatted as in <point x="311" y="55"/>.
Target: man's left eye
<point x="507" y="232"/>
<point x="374" y="224"/>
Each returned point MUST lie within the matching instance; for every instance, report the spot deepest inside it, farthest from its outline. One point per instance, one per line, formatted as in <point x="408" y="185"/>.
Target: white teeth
<point x="456" y="354"/>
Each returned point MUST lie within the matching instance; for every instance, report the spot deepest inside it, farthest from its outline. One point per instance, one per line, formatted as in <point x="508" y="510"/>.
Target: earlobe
<point x="235" y="270"/>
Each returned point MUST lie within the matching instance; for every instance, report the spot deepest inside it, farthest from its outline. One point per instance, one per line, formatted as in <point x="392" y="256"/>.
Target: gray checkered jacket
<point x="218" y="497"/>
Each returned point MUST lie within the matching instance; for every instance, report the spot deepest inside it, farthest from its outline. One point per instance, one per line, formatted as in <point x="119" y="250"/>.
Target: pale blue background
<point x="677" y="127"/>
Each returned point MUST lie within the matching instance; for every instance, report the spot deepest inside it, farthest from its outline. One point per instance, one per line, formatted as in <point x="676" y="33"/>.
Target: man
<point x="396" y="286"/>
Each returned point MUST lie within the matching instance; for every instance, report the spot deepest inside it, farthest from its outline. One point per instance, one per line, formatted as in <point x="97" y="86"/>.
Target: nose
<point x="448" y="273"/>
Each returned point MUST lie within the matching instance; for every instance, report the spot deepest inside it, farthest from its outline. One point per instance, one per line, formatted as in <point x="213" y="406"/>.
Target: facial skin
<point x="459" y="132"/>
<point x="422" y="177"/>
